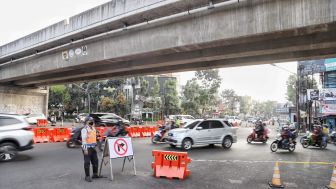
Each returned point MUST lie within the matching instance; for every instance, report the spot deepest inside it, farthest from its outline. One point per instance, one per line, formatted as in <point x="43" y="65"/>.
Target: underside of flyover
<point x="316" y="42"/>
<point x="311" y="41"/>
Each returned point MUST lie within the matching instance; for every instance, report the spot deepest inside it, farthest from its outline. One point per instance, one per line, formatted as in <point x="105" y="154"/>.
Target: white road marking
<point x="254" y="161"/>
<point x="235" y="181"/>
<point x="290" y="185"/>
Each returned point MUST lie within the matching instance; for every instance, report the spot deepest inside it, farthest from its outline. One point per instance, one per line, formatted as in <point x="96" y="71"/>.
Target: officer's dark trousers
<point x="91" y="157"/>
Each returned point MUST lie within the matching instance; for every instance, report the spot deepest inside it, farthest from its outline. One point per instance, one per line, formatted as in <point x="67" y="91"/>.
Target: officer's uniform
<point x="89" y="142"/>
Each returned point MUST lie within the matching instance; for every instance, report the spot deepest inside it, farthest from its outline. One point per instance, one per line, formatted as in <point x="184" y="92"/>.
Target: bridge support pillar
<point x="23" y="100"/>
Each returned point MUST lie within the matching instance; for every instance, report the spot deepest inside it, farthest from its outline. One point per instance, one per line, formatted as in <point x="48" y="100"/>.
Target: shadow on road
<point x="19" y="158"/>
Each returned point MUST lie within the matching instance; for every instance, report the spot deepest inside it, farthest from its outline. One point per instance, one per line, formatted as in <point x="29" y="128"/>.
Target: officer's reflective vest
<point x="91" y="136"/>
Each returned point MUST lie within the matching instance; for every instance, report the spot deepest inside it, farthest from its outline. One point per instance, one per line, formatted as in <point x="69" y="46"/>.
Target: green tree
<point x="58" y="95"/>
<point x="231" y="100"/>
<point x="144" y="91"/>
<point x="155" y="89"/>
<point x="106" y="104"/>
<point x="245" y="103"/>
<point x="191" y="96"/>
<point x="305" y="83"/>
<point x="75" y="100"/>
<point x="171" y="100"/>
<point x="210" y="83"/>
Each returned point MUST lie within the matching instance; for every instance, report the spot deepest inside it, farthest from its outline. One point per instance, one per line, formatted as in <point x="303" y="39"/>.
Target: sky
<point x="262" y="82"/>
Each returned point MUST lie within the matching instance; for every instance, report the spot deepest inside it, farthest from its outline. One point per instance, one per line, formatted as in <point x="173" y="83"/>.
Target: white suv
<point x="203" y="132"/>
<point x="15" y="135"/>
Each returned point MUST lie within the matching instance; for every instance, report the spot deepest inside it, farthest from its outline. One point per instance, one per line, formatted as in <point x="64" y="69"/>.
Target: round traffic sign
<point x="120" y="147"/>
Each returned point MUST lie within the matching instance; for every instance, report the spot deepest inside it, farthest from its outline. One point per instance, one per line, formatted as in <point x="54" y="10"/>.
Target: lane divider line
<point x="247" y="161"/>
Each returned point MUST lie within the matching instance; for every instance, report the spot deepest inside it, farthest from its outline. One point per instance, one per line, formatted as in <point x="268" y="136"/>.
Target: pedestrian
<point x="89" y="142"/>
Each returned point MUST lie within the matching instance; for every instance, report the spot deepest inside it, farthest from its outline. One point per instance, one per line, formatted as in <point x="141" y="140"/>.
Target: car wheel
<point x="187" y="144"/>
<point x="8" y="152"/>
<point x="227" y="143"/>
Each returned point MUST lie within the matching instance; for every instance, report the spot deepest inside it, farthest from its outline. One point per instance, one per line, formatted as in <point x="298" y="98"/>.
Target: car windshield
<point x="191" y="125"/>
<point x="187" y="117"/>
<point x="110" y="116"/>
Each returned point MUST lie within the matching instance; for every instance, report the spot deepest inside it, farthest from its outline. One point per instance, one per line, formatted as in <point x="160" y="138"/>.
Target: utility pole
<point x="298" y="89"/>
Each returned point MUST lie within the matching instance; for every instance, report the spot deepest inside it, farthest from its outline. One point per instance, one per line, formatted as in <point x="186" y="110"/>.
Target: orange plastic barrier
<point x="60" y="134"/>
<point x="146" y="132"/>
<point x="41" y="135"/>
<point x="170" y="164"/>
<point x="128" y="129"/>
<point x="135" y="132"/>
<point x="42" y="122"/>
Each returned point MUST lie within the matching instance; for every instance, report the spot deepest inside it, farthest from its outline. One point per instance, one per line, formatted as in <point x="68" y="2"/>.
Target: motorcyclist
<point x="119" y="127"/>
<point x="317" y="134"/>
<point x="259" y="128"/>
<point x="286" y="135"/>
<point x="325" y="132"/>
<point x="172" y="125"/>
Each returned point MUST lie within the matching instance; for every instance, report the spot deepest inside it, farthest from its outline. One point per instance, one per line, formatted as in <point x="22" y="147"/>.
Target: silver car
<point x="15" y="135"/>
<point x="203" y="132"/>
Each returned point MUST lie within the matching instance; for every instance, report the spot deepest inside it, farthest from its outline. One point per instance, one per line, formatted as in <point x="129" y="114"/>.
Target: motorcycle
<point x="307" y="141"/>
<point x="53" y="120"/>
<point x="332" y="137"/>
<point x="253" y="137"/>
<point x="279" y="144"/>
<point x="75" y="140"/>
<point x="159" y="135"/>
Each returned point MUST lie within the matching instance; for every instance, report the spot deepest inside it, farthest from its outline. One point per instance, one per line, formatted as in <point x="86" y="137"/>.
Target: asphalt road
<point x="53" y="166"/>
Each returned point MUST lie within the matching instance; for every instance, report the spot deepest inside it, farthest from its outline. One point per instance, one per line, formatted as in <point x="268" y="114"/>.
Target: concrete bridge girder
<point x="249" y="29"/>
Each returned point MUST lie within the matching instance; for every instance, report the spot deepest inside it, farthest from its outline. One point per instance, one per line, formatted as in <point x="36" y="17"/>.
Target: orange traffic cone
<point x="276" y="182"/>
<point x="332" y="184"/>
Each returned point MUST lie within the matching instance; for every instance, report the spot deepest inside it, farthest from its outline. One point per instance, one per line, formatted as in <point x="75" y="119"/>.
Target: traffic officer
<point x="89" y="142"/>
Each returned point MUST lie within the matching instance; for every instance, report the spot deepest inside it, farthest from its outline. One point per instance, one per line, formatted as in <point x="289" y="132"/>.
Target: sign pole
<point x="111" y="171"/>
<point x="134" y="164"/>
<point x="103" y="155"/>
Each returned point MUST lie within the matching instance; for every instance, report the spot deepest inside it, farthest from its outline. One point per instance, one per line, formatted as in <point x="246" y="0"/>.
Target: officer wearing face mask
<point x="89" y="142"/>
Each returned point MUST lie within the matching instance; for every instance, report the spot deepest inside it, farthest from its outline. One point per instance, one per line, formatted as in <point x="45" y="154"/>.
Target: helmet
<point x="88" y="118"/>
<point x="120" y="122"/>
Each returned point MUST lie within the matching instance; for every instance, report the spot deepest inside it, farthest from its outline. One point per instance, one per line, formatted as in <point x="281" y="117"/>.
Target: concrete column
<point x="23" y="100"/>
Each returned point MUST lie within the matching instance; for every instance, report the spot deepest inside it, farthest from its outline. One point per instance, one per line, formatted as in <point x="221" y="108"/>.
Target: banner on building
<point x="313" y="94"/>
<point x="311" y="67"/>
<point x="329" y="109"/>
<point x="316" y="66"/>
<point x="330" y="64"/>
<point x="328" y="94"/>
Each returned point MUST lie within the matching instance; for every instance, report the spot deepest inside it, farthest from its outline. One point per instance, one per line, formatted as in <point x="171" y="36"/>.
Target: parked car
<point x="32" y="118"/>
<point x="203" y="132"/>
<point x="15" y="135"/>
<point x="107" y="119"/>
